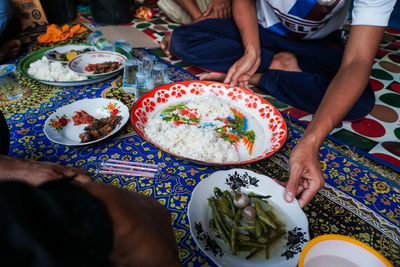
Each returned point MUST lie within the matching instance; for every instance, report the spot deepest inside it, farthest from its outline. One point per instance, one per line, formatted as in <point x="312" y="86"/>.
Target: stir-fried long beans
<point x="239" y="228"/>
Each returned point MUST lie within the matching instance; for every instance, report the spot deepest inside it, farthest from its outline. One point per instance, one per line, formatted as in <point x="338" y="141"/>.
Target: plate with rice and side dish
<point x="86" y="121"/>
<point x="209" y="122"/>
<point x="37" y="66"/>
<point x="239" y="218"/>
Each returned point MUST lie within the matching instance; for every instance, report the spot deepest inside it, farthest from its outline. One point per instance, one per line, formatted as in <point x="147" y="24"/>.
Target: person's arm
<point x="344" y="90"/>
<point x="245" y="16"/>
<point x="37" y="172"/>
<point x="142" y="229"/>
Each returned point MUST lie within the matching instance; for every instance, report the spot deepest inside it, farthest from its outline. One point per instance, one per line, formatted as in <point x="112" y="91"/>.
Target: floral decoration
<point x="59" y="123"/>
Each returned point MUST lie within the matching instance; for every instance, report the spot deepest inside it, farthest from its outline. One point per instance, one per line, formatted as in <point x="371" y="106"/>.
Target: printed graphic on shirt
<point x="303" y="17"/>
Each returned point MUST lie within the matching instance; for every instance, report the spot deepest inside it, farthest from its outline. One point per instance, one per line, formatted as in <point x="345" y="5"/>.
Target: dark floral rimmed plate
<point x="285" y="252"/>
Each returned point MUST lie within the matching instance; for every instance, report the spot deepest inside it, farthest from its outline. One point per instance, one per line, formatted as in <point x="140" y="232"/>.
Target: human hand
<point x="142" y="229"/>
<point x="37" y="172"/>
<point x="218" y="9"/>
<point x="305" y="178"/>
<point x="243" y="69"/>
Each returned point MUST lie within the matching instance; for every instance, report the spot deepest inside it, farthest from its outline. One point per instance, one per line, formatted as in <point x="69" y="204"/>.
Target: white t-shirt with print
<point x="314" y="19"/>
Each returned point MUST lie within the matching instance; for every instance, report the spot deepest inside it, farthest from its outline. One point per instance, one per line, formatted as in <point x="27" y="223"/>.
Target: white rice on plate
<point x="199" y="142"/>
<point x="43" y="69"/>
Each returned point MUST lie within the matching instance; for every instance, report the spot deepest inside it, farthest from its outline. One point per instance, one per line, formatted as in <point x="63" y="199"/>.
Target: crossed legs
<point x="296" y="72"/>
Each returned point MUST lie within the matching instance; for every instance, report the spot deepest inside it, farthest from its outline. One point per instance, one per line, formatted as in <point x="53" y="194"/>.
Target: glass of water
<point x="123" y="47"/>
<point x="9" y="82"/>
<point x="129" y="80"/>
<point x="148" y="62"/>
<point x="160" y="74"/>
<point x="97" y="39"/>
<point x="140" y="83"/>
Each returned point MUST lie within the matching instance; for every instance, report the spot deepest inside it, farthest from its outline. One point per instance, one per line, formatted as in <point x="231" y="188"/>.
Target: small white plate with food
<point x="86" y="121"/>
<point x="239" y="218"/>
<point x="97" y="63"/>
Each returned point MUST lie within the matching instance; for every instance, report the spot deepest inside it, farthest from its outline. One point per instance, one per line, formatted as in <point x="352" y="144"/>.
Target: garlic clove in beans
<point x="249" y="213"/>
<point x="241" y="200"/>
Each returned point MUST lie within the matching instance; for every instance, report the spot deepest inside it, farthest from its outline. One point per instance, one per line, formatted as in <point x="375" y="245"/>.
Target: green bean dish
<point x="245" y="222"/>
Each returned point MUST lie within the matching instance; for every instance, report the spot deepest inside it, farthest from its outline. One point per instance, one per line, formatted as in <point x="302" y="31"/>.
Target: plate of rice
<point x="209" y="122"/>
<point x="97" y="118"/>
<point x="240" y="218"/>
<point x="38" y="67"/>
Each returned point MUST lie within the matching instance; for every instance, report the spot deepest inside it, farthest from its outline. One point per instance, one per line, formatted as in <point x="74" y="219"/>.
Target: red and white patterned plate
<point x="263" y="118"/>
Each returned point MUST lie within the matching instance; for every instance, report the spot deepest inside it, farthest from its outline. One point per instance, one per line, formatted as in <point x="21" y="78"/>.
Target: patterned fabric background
<point x="355" y="201"/>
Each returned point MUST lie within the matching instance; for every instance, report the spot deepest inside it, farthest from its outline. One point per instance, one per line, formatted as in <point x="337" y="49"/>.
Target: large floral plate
<point x="285" y="252"/>
<point x="255" y="112"/>
<point x="80" y="63"/>
<point x="24" y="64"/>
<point x="59" y="126"/>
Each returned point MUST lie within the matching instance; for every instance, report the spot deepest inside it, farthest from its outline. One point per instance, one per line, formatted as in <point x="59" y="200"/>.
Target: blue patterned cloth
<point x="355" y="201"/>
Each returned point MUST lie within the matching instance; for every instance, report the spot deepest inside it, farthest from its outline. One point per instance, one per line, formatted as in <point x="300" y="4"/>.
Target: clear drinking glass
<point x="132" y="66"/>
<point x="9" y="82"/>
<point x="123" y="47"/>
<point x="140" y="88"/>
<point x="98" y="40"/>
<point x="160" y="74"/>
<point x="148" y="62"/>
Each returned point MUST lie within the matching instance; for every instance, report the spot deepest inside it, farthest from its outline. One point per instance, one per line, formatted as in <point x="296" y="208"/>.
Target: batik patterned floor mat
<point x="355" y="201"/>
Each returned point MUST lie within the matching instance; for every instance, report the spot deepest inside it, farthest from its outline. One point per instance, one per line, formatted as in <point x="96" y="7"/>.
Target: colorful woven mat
<point x="355" y="201"/>
<point x="377" y="136"/>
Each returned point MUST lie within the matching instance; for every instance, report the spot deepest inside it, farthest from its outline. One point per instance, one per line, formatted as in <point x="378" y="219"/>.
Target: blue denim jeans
<point x="5" y="14"/>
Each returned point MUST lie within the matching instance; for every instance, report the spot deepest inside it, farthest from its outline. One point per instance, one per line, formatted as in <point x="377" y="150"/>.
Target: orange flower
<point x="56" y="124"/>
<point x="111" y="107"/>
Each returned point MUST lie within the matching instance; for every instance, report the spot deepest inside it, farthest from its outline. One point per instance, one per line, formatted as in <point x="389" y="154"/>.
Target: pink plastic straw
<point x="127" y="168"/>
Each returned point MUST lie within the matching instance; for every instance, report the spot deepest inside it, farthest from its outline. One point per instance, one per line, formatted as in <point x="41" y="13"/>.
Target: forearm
<point x="341" y="95"/>
<point x="245" y="16"/>
<point x="11" y="168"/>
<point x="37" y="172"/>
<point x="348" y="84"/>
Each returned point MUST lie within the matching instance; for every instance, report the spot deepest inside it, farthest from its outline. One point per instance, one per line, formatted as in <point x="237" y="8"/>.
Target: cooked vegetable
<point x="241" y="200"/>
<point x="249" y="213"/>
<point x="244" y="222"/>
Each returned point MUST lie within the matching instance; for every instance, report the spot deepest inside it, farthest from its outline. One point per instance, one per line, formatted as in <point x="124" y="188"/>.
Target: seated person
<point x="294" y="51"/>
<point x="62" y="223"/>
<point x="54" y="216"/>
<point x="188" y="11"/>
<point x="9" y="49"/>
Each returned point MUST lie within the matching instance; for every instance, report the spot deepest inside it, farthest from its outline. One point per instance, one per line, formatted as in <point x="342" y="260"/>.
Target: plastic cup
<point x="9" y="82"/>
<point x="160" y="74"/>
<point x="98" y="40"/>
<point x="122" y="46"/>
<point x="140" y="86"/>
<point x="132" y="66"/>
<point x="148" y="62"/>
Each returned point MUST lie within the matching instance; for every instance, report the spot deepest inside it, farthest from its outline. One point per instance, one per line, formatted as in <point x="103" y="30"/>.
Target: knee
<point x="363" y="106"/>
<point x="179" y="41"/>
